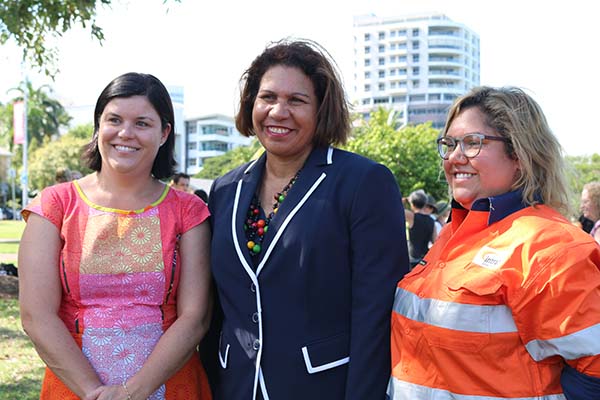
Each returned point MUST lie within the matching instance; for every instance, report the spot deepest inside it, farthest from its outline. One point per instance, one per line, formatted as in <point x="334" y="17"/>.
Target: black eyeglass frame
<point x="461" y="143"/>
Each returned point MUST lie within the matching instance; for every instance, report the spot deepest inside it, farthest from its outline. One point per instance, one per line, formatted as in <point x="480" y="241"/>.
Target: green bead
<point x="256" y="249"/>
<point x="281" y="198"/>
<point x="266" y="228"/>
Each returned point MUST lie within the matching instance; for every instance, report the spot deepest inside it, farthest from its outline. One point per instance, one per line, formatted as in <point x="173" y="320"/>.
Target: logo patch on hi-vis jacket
<point x="490" y="258"/>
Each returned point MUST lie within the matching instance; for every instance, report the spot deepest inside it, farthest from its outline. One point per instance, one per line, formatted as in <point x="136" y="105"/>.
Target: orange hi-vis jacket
<point x="496" y="308"/>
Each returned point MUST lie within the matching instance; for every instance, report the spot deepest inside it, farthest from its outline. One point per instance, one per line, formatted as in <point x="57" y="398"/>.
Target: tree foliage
<point x="409" y="152"/>
<point x="218" y="166"/>
<point x="64" y="152"/>
<point x="45" y="115"/>
<point x="30" y="22"/>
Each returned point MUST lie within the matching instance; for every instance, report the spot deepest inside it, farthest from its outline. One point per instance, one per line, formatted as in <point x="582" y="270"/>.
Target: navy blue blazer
<point x="312" y="321"/>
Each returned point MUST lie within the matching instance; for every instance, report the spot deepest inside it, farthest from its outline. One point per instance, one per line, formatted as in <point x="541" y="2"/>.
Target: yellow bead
<point x="250" y="244"/>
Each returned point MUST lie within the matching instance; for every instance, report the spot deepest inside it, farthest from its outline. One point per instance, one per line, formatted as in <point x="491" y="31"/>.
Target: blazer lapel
<point x="247" y="187"/>
<point x="311" y="175"/>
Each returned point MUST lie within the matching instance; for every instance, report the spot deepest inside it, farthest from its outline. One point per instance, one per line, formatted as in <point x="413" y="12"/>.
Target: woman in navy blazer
<point x="308" y="243"/>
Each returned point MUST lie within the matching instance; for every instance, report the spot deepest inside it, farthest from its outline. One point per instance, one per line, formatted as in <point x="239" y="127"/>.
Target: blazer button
<point x="255" y="317"/>
<point x="256" y="345"/>
<point x="253" y="287"/>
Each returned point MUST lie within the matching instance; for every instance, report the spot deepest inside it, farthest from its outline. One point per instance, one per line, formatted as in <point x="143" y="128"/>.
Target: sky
<point x="549" y="48"/>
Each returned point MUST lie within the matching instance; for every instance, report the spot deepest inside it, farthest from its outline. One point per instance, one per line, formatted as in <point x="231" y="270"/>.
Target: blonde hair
<point x="513" y="114"/>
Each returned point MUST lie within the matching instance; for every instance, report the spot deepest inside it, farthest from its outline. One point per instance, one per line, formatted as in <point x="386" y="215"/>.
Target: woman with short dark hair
<point x="307" y="243"/>
<point x="114" y="275"/>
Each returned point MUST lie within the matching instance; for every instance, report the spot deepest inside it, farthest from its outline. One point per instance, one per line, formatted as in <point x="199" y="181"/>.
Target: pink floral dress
<point x="120" y="272"/>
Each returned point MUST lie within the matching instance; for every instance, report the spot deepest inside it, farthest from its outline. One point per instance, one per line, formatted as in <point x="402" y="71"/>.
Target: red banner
<point x="19" y="122"/>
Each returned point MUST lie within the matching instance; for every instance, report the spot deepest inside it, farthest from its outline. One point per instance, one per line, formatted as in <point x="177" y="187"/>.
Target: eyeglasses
<point x="470" y="145"/>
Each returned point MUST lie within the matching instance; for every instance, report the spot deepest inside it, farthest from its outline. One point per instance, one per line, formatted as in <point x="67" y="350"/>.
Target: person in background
<point x="421" y="227"/>
<point x="585" y="223"/>
<point x="202" y="194"/>
<point x="308" y="242"/>
<point x="76" y="175"/>
<point x="62" y="175"/>
<point x="114" y="268"/>
<point x="181" y="181"/>
<point x="431" y="210"/>
<point x="443" y="212"/>
<point x="590" y="207"/>
<point x="506" y="304"/>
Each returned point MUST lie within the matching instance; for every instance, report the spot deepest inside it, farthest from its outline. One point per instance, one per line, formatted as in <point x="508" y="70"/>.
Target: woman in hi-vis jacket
<point x="308" y="243"/>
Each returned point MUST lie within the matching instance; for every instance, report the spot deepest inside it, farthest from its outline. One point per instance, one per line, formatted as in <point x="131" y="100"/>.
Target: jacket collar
<point x="314" y="166"/>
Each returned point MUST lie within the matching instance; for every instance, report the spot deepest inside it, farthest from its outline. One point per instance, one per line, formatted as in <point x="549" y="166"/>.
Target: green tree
<point x="64" y="152"/>
<point x="30" y="22"/>
<point x="409" y="152"/>
<point x="45" y="117"/>
<point x="217" y="166"/>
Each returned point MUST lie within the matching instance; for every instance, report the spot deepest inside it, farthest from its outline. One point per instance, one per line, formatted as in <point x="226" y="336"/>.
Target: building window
<point x="401" y="58"/>
<point x="381" y="100"/>
<point x="192" y="145"/>
<point x="367" y="36"/>
<point x="381" y="61"/>
<point x="392" y="46"/>
<point x="367" y="88"/>
<point x="415" y="71"/>
<point x="393" y="34"/>
<point x="381" y="48"/>
<point x="381" y="35"/>
<point x="392" y="59"/>
<point x="367" y="62"/>
<point x="415" y="32"/>
<point x="366" y="101"/>
<point x="191" y="127"/>
<point x="367" y="49"/>
<point x="382" y="86"/>
<point x="415" y="84"/>
<point x="402" y="71"/>
<point x="415" y="58"/>
<point x="381" y="73"/>
<point x="417" y="97"/>
<point x="415" y="44"/>
<point x="367" y="74"/>
<point x="192" y="162"/>
<point x="392" y="85"/>
<point x="392" y="72"/>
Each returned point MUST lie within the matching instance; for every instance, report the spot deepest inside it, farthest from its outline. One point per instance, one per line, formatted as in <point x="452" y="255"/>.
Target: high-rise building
<point x="416" y="65"/>
<point x="209" y="136"/>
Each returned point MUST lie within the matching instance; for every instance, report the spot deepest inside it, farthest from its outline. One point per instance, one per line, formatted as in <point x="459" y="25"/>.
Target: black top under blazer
<point x="312" y="320"/>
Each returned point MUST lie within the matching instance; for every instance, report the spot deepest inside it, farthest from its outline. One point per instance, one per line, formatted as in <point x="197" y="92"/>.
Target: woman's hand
<point x="114" y="392"/>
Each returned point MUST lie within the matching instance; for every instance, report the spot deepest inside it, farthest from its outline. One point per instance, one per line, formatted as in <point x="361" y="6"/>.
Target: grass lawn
<point x="11" y="229"/>
<point x="21" y="369"/>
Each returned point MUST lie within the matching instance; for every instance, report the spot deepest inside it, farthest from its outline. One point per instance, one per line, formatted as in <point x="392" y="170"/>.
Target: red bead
<point x="254" y="225"/>
<point x="255" y="211"/>
<point x="260" y="223"/>
<point x="261" y="231"/>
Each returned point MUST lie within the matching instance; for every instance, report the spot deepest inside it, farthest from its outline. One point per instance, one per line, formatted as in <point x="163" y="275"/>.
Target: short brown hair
<point x="333" y="117"/>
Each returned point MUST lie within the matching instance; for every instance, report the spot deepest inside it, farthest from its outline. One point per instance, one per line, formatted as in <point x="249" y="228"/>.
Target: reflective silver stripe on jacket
<point x="457" y="316"/>
<point x="400" y="390"/>
<point x="583" y="343"/>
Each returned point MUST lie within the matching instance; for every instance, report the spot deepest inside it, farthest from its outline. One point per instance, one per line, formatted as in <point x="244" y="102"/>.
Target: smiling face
<point x="129" y="135"/>
<point x="284" y="115"/>
<point x="492" y="172"/>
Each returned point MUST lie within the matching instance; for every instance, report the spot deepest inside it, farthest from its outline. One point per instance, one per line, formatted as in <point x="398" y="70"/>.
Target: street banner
<point x="19" y="122"/>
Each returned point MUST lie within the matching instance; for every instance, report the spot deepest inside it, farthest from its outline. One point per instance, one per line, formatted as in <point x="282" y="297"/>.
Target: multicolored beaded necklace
<point x="255" y="226"/>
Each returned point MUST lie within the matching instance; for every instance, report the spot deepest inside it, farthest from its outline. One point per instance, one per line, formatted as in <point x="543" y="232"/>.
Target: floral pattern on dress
<point x="115" y="243"/>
